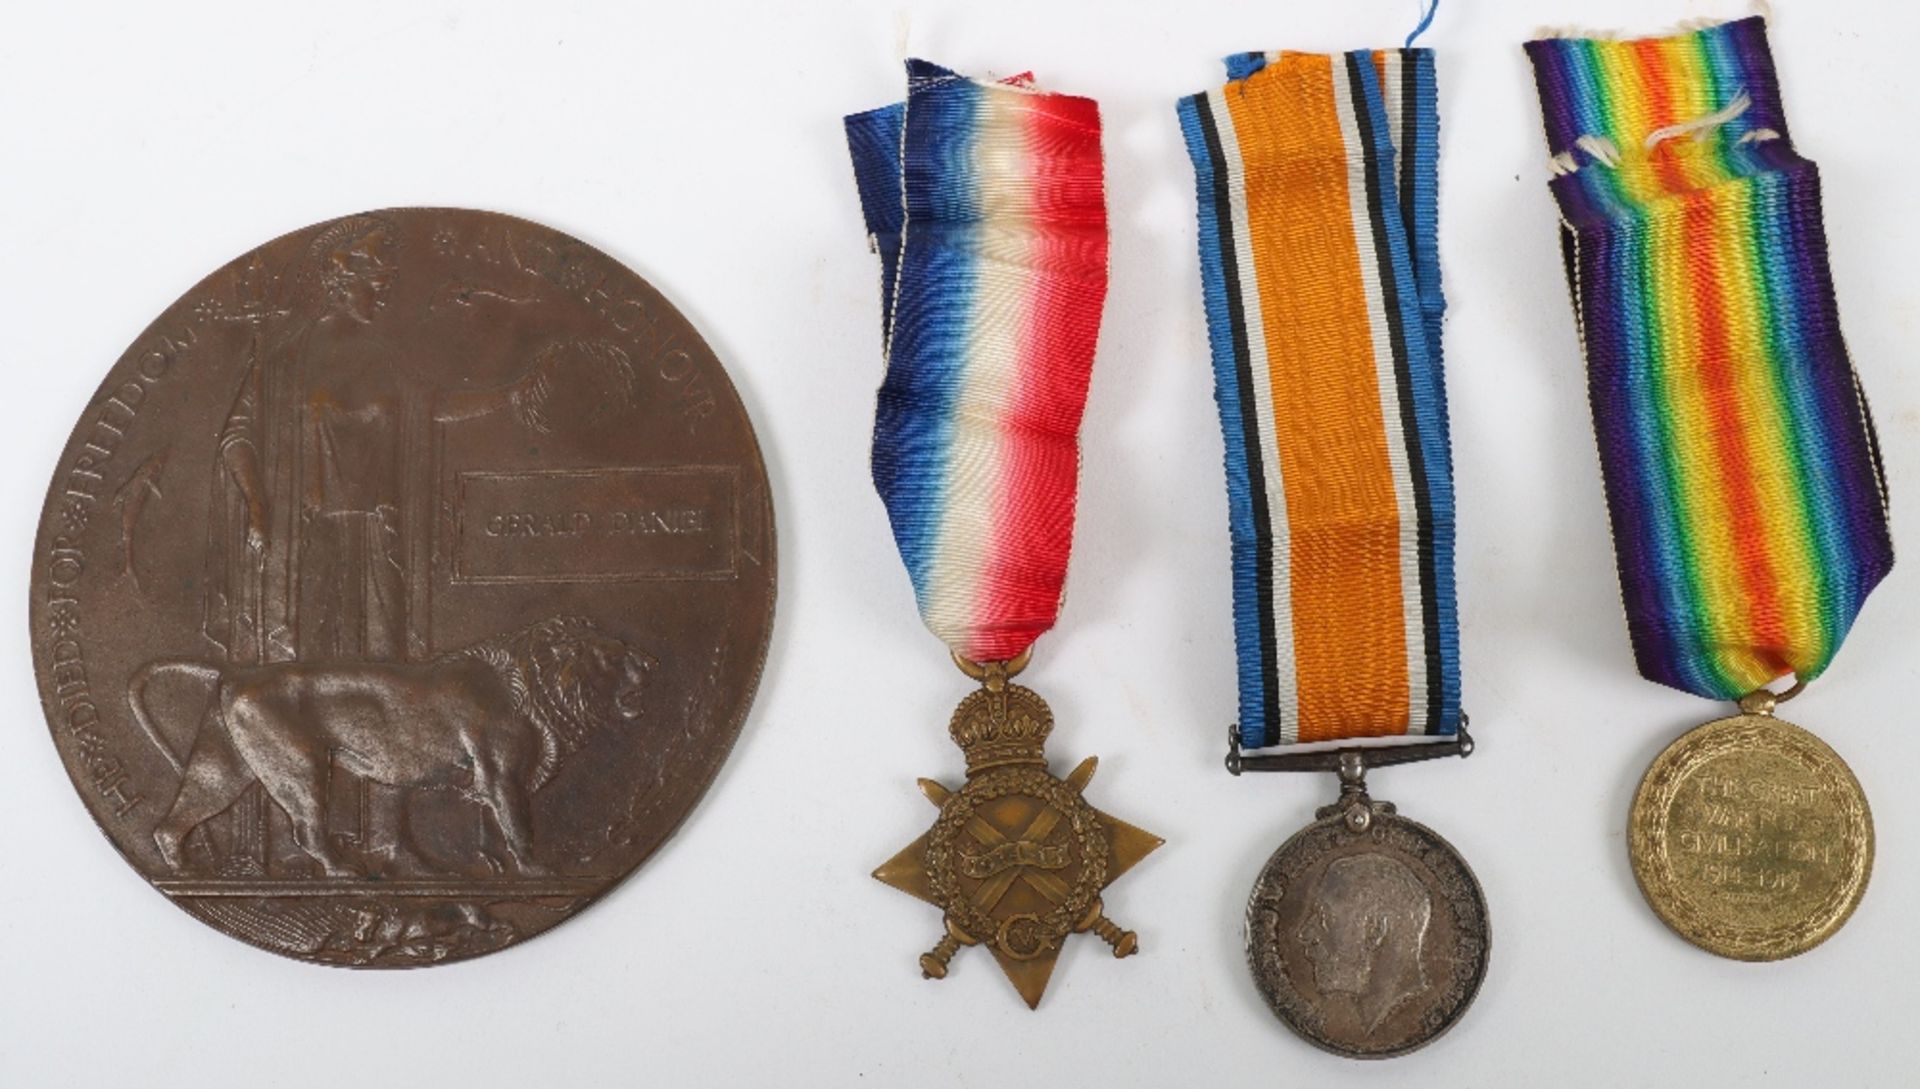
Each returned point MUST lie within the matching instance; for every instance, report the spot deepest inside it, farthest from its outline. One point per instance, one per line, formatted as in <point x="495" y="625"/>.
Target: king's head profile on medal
<point x="986" y="204"/>
<point x="1366" y="935"/>
<point x="1366" y="932"/>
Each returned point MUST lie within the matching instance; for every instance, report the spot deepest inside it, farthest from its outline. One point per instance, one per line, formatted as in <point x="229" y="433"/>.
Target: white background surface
<point x="701" y="145"/>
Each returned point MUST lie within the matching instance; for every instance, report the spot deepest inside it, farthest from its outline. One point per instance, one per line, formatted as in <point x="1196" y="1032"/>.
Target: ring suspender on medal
<point x="1742" y="474"/>
<point x="987" y="205"/>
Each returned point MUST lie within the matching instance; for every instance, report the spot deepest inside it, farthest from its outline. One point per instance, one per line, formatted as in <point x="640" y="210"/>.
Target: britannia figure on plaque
<point x="328" y="701"/>
<point x="305" y="555"/>
<point x="305" y="548"/>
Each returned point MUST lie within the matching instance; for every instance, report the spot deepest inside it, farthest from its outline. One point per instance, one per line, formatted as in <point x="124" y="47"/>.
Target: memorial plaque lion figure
<point x="494" y="721"/>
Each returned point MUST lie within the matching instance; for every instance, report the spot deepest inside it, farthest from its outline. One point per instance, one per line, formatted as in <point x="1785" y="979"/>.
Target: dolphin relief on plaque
<point x="403" y="587"/>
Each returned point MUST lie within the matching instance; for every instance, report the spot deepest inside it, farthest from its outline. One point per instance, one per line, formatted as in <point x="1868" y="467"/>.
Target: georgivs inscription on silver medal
<point x="1367" y="935"/>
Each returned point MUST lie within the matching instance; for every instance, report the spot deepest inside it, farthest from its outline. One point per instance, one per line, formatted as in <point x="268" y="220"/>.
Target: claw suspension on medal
<point x="1743" y="479"/>
<point x="1366" y="933"/>
<point x="992" y="307"/>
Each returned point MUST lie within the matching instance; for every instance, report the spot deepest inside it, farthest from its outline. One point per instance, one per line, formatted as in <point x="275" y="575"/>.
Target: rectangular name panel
<point x="596" y="525"/>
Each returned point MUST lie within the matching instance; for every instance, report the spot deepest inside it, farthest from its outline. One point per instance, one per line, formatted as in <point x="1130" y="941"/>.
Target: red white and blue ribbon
<point x="987" y="205"/>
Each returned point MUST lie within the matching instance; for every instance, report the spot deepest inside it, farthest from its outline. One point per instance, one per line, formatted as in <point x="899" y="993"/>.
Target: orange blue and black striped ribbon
<point x="1742" y="474"/>
<point x="1316" y="177"/>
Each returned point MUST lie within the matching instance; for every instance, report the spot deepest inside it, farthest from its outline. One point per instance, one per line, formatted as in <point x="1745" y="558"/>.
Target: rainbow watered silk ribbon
<point x="1741" y="468"/>
<point x="1317" y="177"/>
<point x="987" y="205"/>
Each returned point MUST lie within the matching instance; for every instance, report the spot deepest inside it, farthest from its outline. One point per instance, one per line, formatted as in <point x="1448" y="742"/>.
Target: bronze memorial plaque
<point x="403" y="587"/>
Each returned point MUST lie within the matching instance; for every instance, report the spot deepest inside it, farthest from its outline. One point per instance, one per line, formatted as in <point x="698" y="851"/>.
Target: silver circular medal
<point x="1366" y="932"/>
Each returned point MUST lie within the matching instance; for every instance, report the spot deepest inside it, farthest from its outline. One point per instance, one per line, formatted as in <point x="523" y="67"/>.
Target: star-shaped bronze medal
<point x="1017" y="858"/>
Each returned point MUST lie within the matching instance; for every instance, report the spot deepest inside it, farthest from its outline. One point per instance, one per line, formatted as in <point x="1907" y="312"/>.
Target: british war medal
<point x="1741" y="469"/>
<point x="1316" y="175"/>
<point x="986" y="203"/>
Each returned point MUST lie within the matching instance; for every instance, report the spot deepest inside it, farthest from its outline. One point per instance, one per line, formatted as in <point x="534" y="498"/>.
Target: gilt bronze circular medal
<point x="1367" y="933"/>
<point x="1751" y="838"/>
<point x="403" y="587"/>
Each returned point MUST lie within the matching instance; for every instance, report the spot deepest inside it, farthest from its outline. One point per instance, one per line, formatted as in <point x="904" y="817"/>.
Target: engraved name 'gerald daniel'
<point x="606" y="523"/>
<point x="597" y="525"/>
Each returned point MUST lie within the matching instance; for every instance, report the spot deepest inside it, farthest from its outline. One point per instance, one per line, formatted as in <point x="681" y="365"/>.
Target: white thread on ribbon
<point x="1701" y="127"/>
<point x="1600" y="148"/>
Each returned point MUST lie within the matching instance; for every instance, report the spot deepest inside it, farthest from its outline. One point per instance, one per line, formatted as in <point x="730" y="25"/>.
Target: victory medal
<point x="1742" y="473"/>
<point x="986" y="203"/>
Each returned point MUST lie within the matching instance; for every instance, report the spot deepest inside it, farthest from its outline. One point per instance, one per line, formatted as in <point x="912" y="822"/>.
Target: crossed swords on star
<point x="994" y="889"/>
<point x="933" y="963"/>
